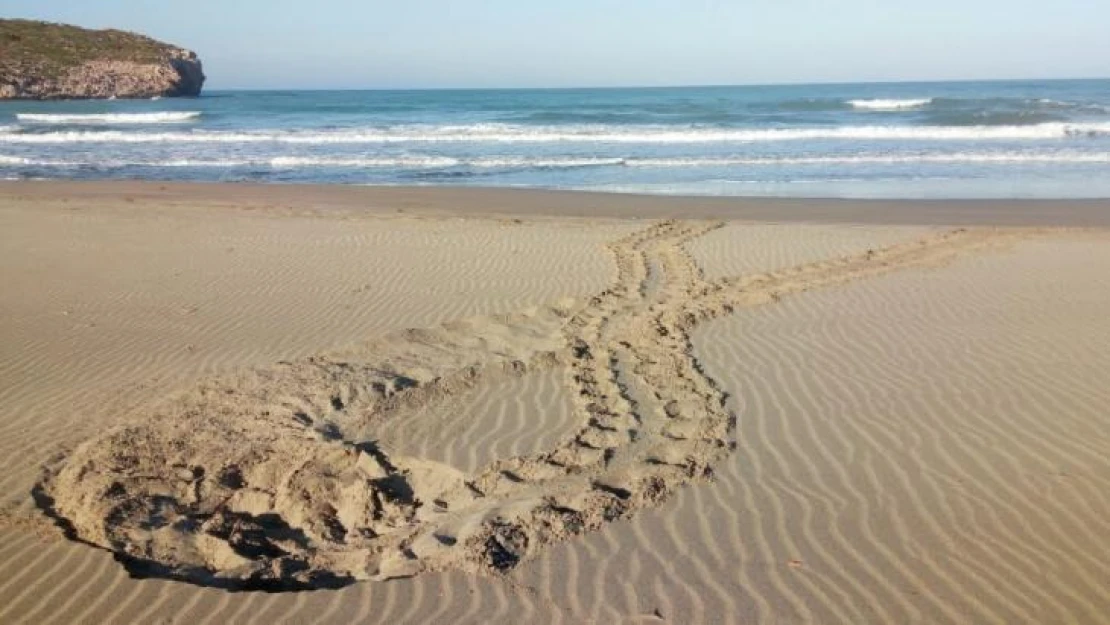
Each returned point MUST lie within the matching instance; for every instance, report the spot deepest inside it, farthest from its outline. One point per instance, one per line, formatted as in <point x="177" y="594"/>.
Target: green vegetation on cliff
<point x="54" y="48"/>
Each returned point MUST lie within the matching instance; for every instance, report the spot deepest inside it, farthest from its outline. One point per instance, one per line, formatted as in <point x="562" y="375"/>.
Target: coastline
<point x="496" y="201"/>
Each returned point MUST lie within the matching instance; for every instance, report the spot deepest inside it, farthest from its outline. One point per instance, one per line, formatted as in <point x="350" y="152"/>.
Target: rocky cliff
<point x="43" y="61"/>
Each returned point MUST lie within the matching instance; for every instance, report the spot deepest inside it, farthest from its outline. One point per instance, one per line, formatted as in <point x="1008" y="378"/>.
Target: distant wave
<point x="803" y="105"/>
<point x="312" y="161"/>
<point x="160" y="117"/>
<point x="499" y="133"/>
<point x="514" y="162"/>
<point x="985" y="105"/>
<point x="412" y="162"/>
<point x="890" y="105"/>
<point x="579" y="117"/>
<point x="15" y="161"/>
<point x="437" y="161"/>
<point x="880" y="159"/>
<point x="992" y="118"/>
<point x="1015" y="104"/>
<point x="294" y="162"/>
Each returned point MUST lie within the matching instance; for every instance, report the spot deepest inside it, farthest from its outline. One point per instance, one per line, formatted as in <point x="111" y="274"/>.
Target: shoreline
<point x="446" y="201"/>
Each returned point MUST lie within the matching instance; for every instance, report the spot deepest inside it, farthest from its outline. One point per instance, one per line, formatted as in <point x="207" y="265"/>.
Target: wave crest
<point x="891" y="104"/>
<point x="496" y="133"/>
<point x="516" y="162"/>
<point x="159" y="117"/>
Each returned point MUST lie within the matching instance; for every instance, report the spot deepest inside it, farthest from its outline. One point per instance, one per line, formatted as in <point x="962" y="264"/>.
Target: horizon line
<point x="831" y="83"/>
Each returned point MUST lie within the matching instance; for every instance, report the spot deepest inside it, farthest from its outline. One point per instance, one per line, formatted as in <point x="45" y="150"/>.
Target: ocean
<point x="1005" y="139"/>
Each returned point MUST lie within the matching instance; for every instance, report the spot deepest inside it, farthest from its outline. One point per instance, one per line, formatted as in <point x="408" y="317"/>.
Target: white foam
<point x="8" y="161"/>
<point x="890" y="105"/>
<point x="15" y="161"/>
<point x="295" y="162"/>
<point x="510" y="162"/>
<point x="160" y="117"/>
<point x="410" y="162"/>
<point x="572" y="162"/>
<point x="182" y="162"/>
<point x="499" y="133"/>
<point x="442" y="161"/>
<point x="1080" y="106"/>
<point x="880" y="159"/>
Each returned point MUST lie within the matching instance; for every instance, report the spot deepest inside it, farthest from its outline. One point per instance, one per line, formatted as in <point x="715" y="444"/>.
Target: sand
<point x="414" y="409"/>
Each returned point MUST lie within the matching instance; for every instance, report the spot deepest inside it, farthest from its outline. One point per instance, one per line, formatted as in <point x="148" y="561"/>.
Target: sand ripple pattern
<point x="267" y="478"/>
<point x="90" y="333"/>
<point x="925" y="448"/>
<point x="745" y="248"/>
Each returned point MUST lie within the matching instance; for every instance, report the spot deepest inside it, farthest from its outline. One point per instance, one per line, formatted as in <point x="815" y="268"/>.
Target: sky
<point x="348" y="44"/>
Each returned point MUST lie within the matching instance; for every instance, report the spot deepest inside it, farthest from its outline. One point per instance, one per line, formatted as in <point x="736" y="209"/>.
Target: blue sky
<point x="515" y="43"/>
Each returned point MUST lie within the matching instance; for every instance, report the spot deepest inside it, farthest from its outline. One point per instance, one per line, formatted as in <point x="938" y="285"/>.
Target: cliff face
<point x="42" y="61"/>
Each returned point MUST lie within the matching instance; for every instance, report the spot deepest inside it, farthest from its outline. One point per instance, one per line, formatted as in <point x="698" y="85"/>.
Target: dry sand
<point x="535" y="415"/>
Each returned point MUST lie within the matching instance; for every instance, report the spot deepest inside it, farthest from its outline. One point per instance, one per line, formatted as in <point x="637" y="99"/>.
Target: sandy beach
<point x="327" y="404"/>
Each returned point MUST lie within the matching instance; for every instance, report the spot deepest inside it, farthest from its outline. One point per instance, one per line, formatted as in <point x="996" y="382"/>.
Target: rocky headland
<point x="44" y="61"/>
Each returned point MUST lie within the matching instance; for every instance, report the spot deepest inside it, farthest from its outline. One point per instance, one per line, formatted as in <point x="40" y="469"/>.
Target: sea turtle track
<point x="266" y="479"/>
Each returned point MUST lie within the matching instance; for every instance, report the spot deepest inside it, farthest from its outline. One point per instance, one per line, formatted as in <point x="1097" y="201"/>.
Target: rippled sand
<point x="919" y="425"/>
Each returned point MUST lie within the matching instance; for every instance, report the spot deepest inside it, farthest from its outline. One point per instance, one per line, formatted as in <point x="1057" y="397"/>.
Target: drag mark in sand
<point x="268" y="479"/>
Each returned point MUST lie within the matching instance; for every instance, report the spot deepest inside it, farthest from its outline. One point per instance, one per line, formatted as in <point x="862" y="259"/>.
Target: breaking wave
<point x="161" y="117"/>
<point x="891" y="104"/>
<point x="510" y="162"/>
<point x="501" y="133"/>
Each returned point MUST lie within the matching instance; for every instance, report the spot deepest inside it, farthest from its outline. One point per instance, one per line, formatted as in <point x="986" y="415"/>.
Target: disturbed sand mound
<point x="268" y="479"/>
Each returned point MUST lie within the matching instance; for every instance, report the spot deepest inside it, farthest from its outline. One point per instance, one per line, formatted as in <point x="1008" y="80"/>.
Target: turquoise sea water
<point x="934" y="140"/>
